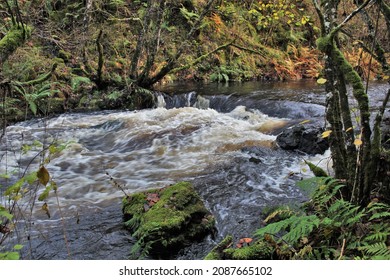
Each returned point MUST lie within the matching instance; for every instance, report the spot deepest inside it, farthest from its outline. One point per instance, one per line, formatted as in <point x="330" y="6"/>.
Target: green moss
<point x="164" y="220"/>
<point x="259" y="250"/>
<point x="317" y="171"/>
<point x="355" y="81"/>
<point x="66" y="56"/>
<point x="324" y="43"/>
<point x="217" y="252"/>
<point x="12" y="40"/>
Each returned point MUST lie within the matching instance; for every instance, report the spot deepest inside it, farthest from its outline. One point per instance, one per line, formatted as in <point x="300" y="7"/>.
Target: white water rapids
<point x="151" y="149"/>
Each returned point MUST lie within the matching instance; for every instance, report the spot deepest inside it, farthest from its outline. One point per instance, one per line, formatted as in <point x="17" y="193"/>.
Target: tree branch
<point x="349" y="17"/>
<point x="200" y="58"/>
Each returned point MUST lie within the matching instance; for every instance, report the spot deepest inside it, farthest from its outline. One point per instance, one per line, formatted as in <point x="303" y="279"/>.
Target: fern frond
<point x="281" y="213"/>
<point x="300" y="227"/>
<point x="275" y="228"/>
<point x="380" y="215"/>
<point x="297" y="227"/>
<point x="376" y="251"/>
<point x="377" y="237"/>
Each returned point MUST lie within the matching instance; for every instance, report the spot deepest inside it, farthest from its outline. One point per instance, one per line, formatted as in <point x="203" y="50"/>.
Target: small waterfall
<point x="202" y="103"/>
<point x="160" y="101"/>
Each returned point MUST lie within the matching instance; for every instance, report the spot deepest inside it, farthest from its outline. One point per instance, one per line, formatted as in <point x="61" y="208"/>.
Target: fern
<point x="296" y="227"/>
<point x="377" y="237"/>
<point x="77" y="81"/>
<point x="337" y="228"/>
<point x="376" y="251"/>
<point x="300" y="227"/>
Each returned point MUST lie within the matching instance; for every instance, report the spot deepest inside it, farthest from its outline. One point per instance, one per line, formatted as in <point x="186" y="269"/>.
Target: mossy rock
<point x="257" y="250"/>
<point x="166" y="220"/>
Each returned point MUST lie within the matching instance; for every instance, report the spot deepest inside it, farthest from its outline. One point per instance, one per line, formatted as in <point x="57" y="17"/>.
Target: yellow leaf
<point x="326" y="133"/>
<point x="386" y="77"/>
<point x="305" y="121"/>
<point x="349" y="129"/>
<point x="358" y="142"/>
<point x="321" y="81"/>
<point x="45" y="208"/>
<point x="43" y="175"/>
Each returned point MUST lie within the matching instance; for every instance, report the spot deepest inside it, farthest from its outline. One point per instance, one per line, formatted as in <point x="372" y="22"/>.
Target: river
<point x="219" y="137"/>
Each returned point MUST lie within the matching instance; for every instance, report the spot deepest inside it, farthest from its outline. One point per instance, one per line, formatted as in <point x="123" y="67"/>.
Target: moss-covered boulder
<point x="165" y="220"/>
<point x="244" y="250"/>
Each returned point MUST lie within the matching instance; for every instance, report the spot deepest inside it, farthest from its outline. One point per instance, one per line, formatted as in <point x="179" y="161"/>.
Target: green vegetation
<point x="326" y="227"/>
<point x="90" y="55"/>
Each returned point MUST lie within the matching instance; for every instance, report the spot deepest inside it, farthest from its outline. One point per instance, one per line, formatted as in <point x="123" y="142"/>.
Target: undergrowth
<point x="329" y="227"/>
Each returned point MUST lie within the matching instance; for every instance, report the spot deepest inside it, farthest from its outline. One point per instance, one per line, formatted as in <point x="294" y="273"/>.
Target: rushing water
<point x="220" y="140"/>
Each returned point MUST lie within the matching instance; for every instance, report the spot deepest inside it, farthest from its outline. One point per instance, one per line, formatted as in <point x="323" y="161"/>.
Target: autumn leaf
<point x="358" y="142"/>
<point x="321" y="81"/>
<point x="305" y="121"/>
<point x="45" y="208"/>
<point x="349" y="129"/>
<point x="152" y="198"/>
<point x="43" y="175"/>
<point x="326" y="133"/>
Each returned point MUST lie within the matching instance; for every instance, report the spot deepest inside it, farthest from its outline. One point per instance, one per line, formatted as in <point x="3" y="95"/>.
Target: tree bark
<point x="358" y="159"/>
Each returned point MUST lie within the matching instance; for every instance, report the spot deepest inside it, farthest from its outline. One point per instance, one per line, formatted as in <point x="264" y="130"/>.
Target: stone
<point x="306" y="139"/>
<point x="166" y="220"/>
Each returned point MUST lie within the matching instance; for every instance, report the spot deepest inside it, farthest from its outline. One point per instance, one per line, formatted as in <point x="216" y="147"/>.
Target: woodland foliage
<point x="60" y="55"/>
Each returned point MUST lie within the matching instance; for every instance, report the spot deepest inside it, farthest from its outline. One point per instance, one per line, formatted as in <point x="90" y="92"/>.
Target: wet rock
<point x="166" y="220"/>
<point x="303" y="138"/>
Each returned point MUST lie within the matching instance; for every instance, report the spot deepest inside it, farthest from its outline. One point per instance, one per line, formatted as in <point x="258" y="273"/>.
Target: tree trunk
<point x="355" y="159"/>
<point x="14" y="38"/>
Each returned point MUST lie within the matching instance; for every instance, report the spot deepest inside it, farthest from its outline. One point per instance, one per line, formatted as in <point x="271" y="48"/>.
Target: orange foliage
<point x="360" y="61"/>
<point x="217" y="21"/>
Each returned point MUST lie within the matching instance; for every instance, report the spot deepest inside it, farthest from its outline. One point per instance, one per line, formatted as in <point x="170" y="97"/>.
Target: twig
<point x="116" y="184"/>
<point x="342" y="249"/>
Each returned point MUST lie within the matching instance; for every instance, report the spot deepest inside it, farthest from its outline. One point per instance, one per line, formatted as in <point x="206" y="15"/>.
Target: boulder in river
<point x="303" y="138"/>
<point x="165" y="220"/>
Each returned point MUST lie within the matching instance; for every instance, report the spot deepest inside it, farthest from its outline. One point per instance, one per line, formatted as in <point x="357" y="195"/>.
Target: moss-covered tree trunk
<point x="14" y="38"/>
<point x="356" y="156"/>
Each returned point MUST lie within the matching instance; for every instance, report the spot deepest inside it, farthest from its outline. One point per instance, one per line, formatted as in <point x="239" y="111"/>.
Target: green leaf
<point x="33" y="107"/>
<point x="31" y="178"/>
<point x="15" y="188"/>
<point x="9" y="256"/>
<point x="18" y="247"/>
<point x="4" y="213"/>
<point x="45" y="193"/>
